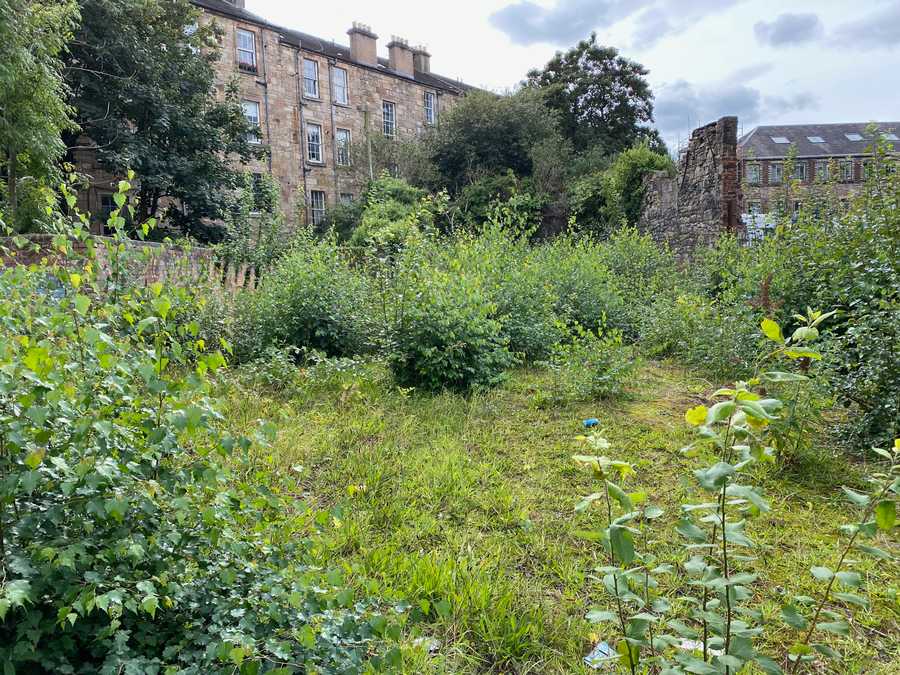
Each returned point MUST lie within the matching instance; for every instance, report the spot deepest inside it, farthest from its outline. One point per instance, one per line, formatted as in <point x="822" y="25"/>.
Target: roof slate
<point x="760" y="145"/>
<point x="330" y="49"/>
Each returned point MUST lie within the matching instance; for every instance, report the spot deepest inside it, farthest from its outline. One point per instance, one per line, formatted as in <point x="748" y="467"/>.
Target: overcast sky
<point x="766" y="61"/>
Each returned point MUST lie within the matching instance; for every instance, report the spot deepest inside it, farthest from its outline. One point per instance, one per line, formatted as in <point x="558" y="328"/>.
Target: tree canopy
<point x="141" y="74"/>
<point x="602" y="98"/>
<point x="33" y="112"/>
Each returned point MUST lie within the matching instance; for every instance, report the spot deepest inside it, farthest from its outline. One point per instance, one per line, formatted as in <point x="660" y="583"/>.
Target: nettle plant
<point x="133" y="538"/>
<point x="712" y="629"/>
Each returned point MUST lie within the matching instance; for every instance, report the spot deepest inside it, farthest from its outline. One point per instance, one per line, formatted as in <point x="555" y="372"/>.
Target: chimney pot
<point x="363" y="44"/>
<point x="421" y="59"/>
<point x="400" y="56"/>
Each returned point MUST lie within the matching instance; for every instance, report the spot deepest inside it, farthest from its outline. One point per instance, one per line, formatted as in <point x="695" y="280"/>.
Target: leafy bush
<point x="591" y="366"/>
<point x="311" y="298"/>
<point x="584" y="289"/>
<point x="720" y="340"/>
<point x="448" y="335"/>
<point x="126" y="543"/>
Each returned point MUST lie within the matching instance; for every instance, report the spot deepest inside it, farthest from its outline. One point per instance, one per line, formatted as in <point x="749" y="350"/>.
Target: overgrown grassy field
<point x="462" y="508"/>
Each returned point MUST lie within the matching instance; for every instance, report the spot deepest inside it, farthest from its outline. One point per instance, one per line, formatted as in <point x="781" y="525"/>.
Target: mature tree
<point x="33" y="113"/>
<point x="484" y="134"/>
<point x="141" y="73"/>
<point x="602" y="97"/>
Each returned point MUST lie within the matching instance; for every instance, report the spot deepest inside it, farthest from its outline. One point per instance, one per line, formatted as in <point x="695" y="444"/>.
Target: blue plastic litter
<point x="600" y="656"/>
<point x="591" y="422"/>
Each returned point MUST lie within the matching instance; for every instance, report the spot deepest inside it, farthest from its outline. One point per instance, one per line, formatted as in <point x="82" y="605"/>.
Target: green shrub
<point x="591" y="365"/>
<point x="584" y="289"/>
<point x="448" y="335"/>
<point x="127" y="545"/>
<point x="717" y="339"/>
<point x="513" y="279"/>
<point x="312" y="298"/>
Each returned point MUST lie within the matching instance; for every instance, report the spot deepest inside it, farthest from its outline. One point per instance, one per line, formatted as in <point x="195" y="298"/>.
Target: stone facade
<point x="701" y="201"/>
<point x="271" y="66"/>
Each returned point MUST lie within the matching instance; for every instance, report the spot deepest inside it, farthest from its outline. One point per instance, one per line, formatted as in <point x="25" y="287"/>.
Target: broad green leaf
<point x="821" y="573"/>
<point x="771" y="330"/>
<point x="689" y="530"/>
<point x="792" y="617"/>
<point x="856" y="497"/>
<point x="600" y="616"/>
<point x="825" y="650"/>
<point x="715" y="476"/>
<point x="720" y="411"/>
<point x="836" y="627"/>
<point x="851" y="579"/>
<point x="780" y="376"/>
<point x="886" y="515"/>
<point x="622" y="544"/>
<point x="875" y="552"/>
<point x="149" y="604"/>
<point x="620" y="496"/>
<point x="852" y="598"/>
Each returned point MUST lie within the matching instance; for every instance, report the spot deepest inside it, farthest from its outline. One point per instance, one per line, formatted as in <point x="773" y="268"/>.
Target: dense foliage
<point x="142" y="82"/>
<point x="603" y="99"/>
<point x="131" y="539"/>
<point x="33" y="112"/>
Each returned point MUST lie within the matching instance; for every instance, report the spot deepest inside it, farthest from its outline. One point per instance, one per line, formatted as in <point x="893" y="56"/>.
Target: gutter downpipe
<point x="265" y="85"/>
<point x="302" y="132"/>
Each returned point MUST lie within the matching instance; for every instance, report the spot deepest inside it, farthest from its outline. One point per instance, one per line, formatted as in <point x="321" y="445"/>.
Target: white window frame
<point x="847" y="171"/>
<point x="346" y="198"/>
<point x="311" y="80"/>
<point x="314" y="146"/>
<point x="243" y="64"/>
<point x="255" y="138"/>
<point x="776" y="167"/>
<point x="342" y="140"/>
<point x="317" y="206"/>
<point x="430" y="103"/>
<point x="754" y="173"/>
<point x="801" y="168"/>
<point x="340" y="92"/>
<point x="822" y="170"/>
<point x="389" y="122"/>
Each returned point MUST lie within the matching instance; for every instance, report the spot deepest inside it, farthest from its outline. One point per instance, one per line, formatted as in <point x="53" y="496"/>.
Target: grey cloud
<point x="879" y="29"/>
<point x="527" y="23"/>
<point x="751" y="72"/>
<point x="671" y="17"/>
<point x="682" y="106"/>
<point x="789" y="29"/>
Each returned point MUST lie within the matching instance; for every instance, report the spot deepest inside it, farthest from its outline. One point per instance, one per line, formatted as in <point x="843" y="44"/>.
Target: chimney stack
<point x="401" y="56"/>
<point x="363" y="44"/>
<point x="421" y="59"/>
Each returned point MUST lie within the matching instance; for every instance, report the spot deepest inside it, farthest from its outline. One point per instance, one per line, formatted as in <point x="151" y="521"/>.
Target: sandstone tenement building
<point x="314" y="102"/>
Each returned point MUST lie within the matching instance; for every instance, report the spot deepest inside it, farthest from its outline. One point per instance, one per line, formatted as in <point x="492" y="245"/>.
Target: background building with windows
<point x="314" y="101"/>
<point x="812" y="152"/>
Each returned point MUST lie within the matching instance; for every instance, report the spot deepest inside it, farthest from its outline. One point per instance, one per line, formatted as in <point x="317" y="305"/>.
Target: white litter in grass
<point x="601" y="656"/>
<point x="694" y="645"/>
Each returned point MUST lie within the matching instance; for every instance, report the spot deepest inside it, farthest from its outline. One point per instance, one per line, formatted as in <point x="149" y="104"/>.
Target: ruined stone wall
<point x="701" y="202"/>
